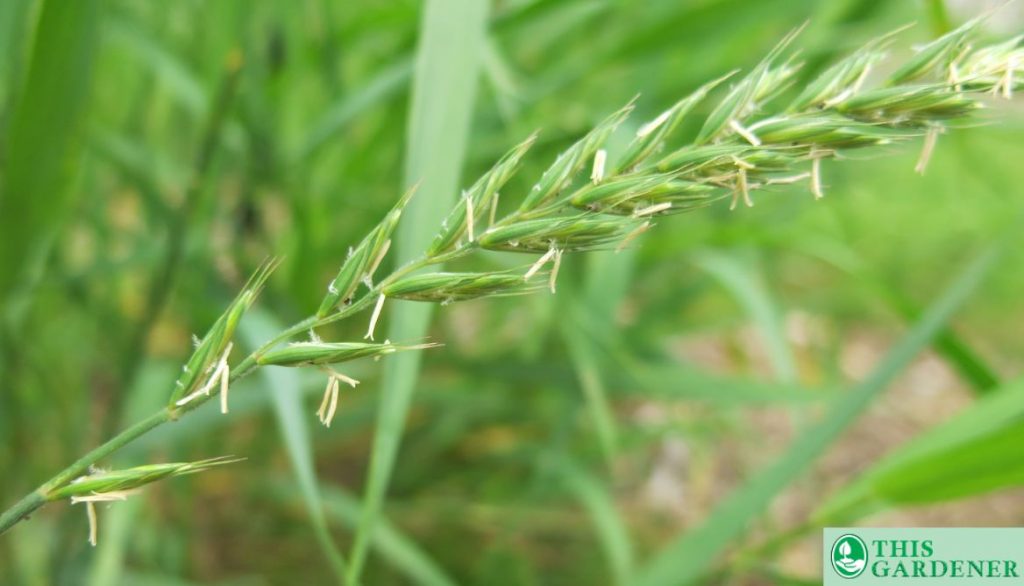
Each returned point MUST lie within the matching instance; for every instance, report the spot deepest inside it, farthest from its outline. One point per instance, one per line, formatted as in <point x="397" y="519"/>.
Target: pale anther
<point x="930" y="138"/>
<point x="597" y="174"/>
<point x="631" y="236"/>
<point x="539" y="263"/>
<point x="553" y="277"/>
<point x="373" y="318"/>
<point x="652" y="209"/>
<point x="653" y="124"/>
<point x="745" y="133"/>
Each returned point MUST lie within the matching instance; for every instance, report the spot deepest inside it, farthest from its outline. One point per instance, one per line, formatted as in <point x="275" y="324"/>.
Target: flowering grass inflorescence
<point x="586" y="202"/>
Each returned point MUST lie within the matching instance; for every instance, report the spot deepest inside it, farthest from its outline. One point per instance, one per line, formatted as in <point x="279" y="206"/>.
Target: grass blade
<point x="587" y="366"/>
<point x="452" y="37"/>
<point x="44" y="140"/>
<point x="971" y="367"/>
<point x="13" y="30"/>
<point x="108" y="564"/>
<point x="398" y="549"/>
<point x="745" y="284"/>
<point x="967" y="362"/>
<point x="692" y="554"/>
<point x="966" y="455"/>
<point x="384" y="85"/>
<point x="143" y="45"/>
<point x="282" y="385"/>
<point x="600" y="506"/>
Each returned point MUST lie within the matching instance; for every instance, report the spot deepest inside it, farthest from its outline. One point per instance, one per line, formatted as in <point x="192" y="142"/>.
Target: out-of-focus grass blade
<point x="382" y="86"/>
<point x="968" y="363"/>
<point x="662" y="377"/>
<point x="668" y="380"/>
<point x="14" y="28"/>
<point x="120" y="521"/>
<point x="590" y="316"/>
<point x="158" y="579"/>
<point x="164" y="64"/>
<point x="971" y="367"/>
<point x="976" y="451"/>
<point x="600" y="506"/>
<point x="43" y="145"/>
<point x="586" y="363"/>
<point x="969" y="468"/>
<point x="394" y="546"/>
<point x="938" y="16"/>
<point x="503" y="80"/>
<point x="397" y="548"/>
<point x="31" y="555"/>
<point x="692" y="554"/>
<point x="451" y="42"/>
<point x="150" y="172"/>
<point x="282" y="385"/>
<point x="747" y="287"/>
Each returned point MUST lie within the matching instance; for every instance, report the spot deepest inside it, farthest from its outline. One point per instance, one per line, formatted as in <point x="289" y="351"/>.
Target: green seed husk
<point x="569" y="163"/>
<point x="647" y="143"/>
<point x="219" y="335"/>
<point x="738" y="102"/>
<point x="309" y="353"/>
<point x="574" y="233"/>
<point x="447" y="287"/>
<point x="938" y="53"/>
<point x="132" y="478"/>
<point x="360" y="261"/>
<point x="908" y="105"/>
<point x="481" y="196"/>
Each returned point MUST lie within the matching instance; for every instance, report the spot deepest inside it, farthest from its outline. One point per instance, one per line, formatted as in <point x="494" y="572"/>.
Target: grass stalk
<point x="748" y="143"/>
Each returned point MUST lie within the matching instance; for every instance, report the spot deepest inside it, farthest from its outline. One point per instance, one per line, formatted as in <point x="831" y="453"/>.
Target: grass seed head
<point x="448" y="287"/>
<point x="310" y="353"/>
<point x="572" y="234"/>
<point x="113" y="482"/>
<point x="569" y="163"/>
<point x="651" y="136"/>
<point x="364" y="259"/>
<point x="211" y="347"/>
<point x="935" y="56"/>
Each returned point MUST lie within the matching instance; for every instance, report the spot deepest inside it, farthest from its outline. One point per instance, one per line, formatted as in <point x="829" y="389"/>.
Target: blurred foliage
<point x="144" y="176"/>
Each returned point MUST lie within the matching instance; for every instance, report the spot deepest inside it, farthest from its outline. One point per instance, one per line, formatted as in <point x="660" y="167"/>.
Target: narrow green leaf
<point x="14" y="30"/>
<point x="965" y="469"/>
<point x="398" y="549"/>
<point x="976" y="451"/>
<point x="969" y="364"/>
<point x="134" y="40"/>
<point x="690" y="555"/>
<point x="452" y="37"/>
<point x="385" y="84"/>
<point x="118" y="523"/>
<point x="747" y="286"/>
<point x="282" y="385"/>
<point x="971" y="367"/>
<point x="613" y="535"/>
<point x="586" y="363"/>
<point x="44" y="142"/>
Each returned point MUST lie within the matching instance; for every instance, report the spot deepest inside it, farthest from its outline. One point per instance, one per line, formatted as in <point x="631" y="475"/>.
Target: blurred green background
<point x="691" y="410"/>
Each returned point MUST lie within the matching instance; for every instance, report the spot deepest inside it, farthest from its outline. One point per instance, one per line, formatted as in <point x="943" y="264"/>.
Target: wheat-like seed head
<point x="746" y="143"/>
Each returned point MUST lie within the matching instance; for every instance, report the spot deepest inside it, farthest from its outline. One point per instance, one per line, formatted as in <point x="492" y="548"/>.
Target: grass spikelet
<point x="745" y="144"/>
